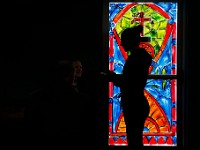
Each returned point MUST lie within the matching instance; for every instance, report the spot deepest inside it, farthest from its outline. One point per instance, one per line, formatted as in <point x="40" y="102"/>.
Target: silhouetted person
<point x="132" y="82"/>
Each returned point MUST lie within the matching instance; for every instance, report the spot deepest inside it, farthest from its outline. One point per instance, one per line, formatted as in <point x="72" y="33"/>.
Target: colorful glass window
<point x="159" y="20"/>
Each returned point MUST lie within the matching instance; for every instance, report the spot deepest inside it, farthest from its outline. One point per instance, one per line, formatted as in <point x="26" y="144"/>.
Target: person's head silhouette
<point x="130" y="37"/>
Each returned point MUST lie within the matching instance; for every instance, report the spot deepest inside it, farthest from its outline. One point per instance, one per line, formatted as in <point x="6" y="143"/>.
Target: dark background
<point x="40" y="33"/>
<point x="36" y="34"/>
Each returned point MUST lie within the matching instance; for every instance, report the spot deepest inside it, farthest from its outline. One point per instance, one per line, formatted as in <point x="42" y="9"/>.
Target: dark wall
<point x="192" y="75"/>
<point x="38" y="34"/>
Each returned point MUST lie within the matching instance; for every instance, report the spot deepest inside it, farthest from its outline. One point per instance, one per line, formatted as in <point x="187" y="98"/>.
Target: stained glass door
<point x="160" y="23"/>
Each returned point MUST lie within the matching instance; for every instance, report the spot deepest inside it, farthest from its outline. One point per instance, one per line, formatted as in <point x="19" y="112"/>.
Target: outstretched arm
<point x="117" y="79"/>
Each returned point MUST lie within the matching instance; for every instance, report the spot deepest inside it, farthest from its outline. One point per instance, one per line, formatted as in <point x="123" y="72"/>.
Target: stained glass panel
<point x="160" y="23"/>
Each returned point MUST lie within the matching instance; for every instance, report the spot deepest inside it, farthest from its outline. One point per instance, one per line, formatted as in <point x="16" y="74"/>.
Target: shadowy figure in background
<point x="78" y="69"/>
<point x="82" y="85"/>
<point x="56" y="112"/>
<point x="63" y="109"/>
<point x="86" y="83"/>
<point x="132" y="83"/>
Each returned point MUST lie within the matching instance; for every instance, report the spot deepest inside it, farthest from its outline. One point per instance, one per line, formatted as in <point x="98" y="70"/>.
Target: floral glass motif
<point x="160" y="23"/>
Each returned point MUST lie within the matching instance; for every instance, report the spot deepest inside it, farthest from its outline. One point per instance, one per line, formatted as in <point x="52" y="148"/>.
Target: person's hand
<point x="103" y="73"/>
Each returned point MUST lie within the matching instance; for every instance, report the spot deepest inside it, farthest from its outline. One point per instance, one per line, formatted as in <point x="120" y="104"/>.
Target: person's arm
<point x="117" y="79"/>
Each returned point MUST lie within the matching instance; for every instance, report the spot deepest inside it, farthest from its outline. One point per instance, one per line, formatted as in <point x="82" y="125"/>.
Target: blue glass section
<point x="161" y="93"/>
<point x="119" y="59"/>
<point x="116" y="106"/>
<point x="164" y="62"/>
